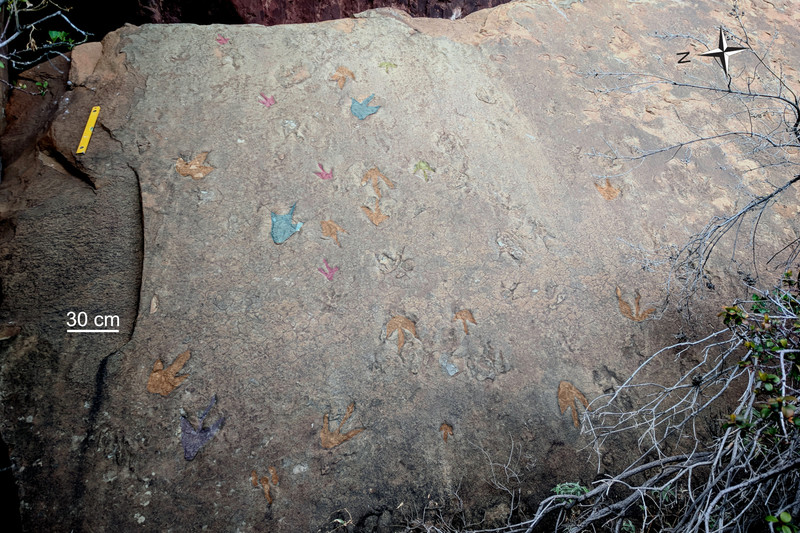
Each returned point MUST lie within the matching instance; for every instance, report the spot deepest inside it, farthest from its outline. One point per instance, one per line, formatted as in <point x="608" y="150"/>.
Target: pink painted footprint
<point x="324" y="175"/>
<point x="222" y="40"/>
<point x="330" y="272"/>
<point x="265" y="101"/>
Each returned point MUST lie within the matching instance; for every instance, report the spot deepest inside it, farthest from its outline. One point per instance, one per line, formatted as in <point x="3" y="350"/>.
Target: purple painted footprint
<point x="193" y="439"/>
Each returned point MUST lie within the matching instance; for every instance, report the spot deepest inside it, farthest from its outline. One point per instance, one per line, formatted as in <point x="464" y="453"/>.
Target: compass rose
<point x="723" y="52"/>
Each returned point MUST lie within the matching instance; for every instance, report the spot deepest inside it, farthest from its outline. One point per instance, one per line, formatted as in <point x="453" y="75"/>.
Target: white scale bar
<point x="92" y="331"/>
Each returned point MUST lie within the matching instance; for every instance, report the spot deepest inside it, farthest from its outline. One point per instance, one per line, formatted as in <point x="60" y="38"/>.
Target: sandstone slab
<point x="451" y="274"/>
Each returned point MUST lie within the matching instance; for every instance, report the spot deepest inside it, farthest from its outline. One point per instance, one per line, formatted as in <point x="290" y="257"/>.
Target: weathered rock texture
<point x="94" y="15"/>
<point x="297" y="11"/>
<point x="512" y="225"/>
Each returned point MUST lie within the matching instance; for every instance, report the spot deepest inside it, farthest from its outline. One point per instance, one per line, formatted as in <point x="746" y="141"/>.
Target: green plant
<point x="42" y="87"/>
<point x="784" y="521"/>
<point x="573" y="489"/>
<point x="770" y="336"/>
<point x="57" y="37"/>
<point x="21" y="33"/>
<point x="628" y="527"/>
<point x="667" y="494"/>
<point x="341" y="523"/>
<point x="759" y="303"/>
<point x="733" y="315"/>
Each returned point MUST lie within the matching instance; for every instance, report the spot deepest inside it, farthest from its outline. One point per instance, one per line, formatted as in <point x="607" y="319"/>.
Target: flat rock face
<point x="379" y="305"/>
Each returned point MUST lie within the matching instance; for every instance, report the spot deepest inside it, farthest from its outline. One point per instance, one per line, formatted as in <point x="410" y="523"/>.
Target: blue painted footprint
<point x="282" y="226"/>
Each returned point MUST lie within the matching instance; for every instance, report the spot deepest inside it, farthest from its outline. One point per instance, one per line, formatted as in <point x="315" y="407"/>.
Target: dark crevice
<point x="79" y="488"/>
<point x="140" y="214"/>
<point x="113" y="138"/>
<point x="9" y="499"/>
<point x="69" y="166"/>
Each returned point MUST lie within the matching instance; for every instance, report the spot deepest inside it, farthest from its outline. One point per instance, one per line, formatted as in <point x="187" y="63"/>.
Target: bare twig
<point x="20" y="57"/>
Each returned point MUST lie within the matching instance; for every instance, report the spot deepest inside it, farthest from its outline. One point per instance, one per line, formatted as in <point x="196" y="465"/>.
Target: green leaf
<point x="771" y="518"/>
<point x="573" y="488"/>
<point x="424" y="167"/>
<point x="56" y="36"/>
<point x="387" y="65"/>
<point x="785" y="517"/>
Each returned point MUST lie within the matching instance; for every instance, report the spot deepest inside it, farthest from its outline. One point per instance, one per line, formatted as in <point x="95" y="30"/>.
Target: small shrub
<point x="574" y="489"/>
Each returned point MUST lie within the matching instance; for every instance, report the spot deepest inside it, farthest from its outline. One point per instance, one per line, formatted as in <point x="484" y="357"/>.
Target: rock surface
<point x="299" y="11"/>
<point x="458" y="261"/>
<point x="94" y="15"/>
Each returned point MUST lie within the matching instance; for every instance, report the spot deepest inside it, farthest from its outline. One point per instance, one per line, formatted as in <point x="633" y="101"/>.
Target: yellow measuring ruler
<point x="87" y="131"/>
